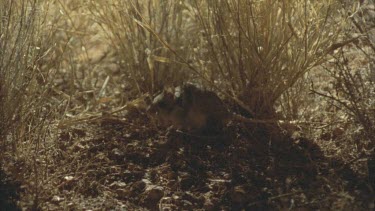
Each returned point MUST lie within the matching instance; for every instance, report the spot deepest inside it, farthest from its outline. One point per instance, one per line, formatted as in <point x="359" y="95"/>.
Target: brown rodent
<point x="190" y="108"/>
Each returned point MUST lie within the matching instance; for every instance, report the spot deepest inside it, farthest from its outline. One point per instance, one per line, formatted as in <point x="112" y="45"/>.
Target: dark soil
<point x="8" y="193"/>
<point x="252" y="167"/>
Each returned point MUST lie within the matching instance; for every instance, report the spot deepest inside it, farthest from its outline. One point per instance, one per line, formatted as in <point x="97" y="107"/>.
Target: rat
<point x="191" y="108"/>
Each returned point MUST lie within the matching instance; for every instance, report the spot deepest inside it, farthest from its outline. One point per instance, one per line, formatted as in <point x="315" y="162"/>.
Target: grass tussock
<point x="20" y="76"/>
<point x="27" y="69"/>
<point x="146" y="63"/>
<point x="261" y="49"/>
<point x="252" y="52"/>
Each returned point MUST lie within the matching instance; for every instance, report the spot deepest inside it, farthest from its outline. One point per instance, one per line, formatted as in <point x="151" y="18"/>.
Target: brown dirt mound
<point x="139" y="167"/>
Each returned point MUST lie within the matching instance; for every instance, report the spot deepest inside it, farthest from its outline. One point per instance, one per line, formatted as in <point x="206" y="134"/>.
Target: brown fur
<point x="189" y="108"/>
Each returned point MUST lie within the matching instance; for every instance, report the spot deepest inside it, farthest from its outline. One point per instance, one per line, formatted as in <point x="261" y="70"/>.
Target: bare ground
<point x="120" y="163"/>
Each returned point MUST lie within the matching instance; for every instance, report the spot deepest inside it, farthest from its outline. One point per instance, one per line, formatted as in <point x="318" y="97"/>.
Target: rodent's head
<point x="162" y="102"/>
<point x="165" y="111"/>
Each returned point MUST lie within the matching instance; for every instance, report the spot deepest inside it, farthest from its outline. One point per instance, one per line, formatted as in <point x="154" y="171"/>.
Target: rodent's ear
<point x="169" y="90"/>
<point x="178" y="92"/>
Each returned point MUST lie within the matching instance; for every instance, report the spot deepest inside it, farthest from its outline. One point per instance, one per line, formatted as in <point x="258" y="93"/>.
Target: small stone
<point x="57" y="199"/>
<point x="154" y="193"/>
<point x="238" y="195"/>
<point x="138" y="186"/>
<point x="208" y="205"/>
<point x="117" y="184"/>
<point x="151" y="197"/>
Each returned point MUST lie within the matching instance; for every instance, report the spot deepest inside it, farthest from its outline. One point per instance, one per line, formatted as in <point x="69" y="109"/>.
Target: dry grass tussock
<point x="249" y="51"/>
<point x="24" y="89"/>
<point x="76" y="78"/>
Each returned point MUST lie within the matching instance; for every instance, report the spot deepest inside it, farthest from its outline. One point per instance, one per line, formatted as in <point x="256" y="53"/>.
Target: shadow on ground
<point x="237" y="168"/>
<point x="8" y="193"/>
